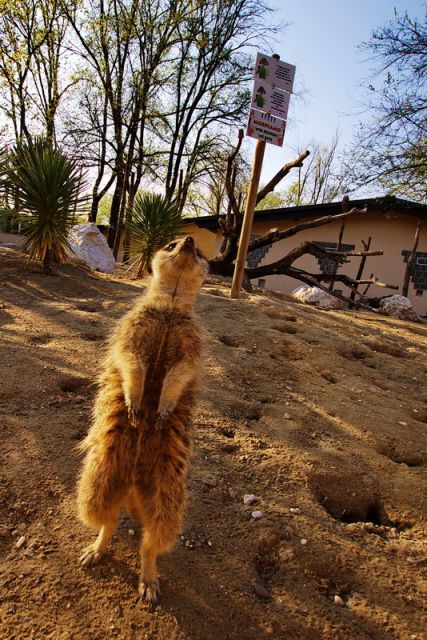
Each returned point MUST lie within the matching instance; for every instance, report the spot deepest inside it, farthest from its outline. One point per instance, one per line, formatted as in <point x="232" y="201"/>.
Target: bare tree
<point x="391" y="148"/>
<point x="207" y="85"/>
<point x="321" y="179"/>
<point x="231" y="226"/>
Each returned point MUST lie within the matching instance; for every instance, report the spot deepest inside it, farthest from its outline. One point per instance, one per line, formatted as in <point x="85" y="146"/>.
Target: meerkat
<point x="139" y="444"/>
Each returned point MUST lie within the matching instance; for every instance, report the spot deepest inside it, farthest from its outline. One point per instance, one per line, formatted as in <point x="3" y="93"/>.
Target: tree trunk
<point x="115" y="208"/>
<point x="410" y="262"/>
<point x="48" y="263"/>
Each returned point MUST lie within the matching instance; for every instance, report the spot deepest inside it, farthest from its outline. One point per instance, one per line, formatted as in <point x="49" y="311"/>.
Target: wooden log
<point x="366" y="246"/>
<point x="410" y="262"/>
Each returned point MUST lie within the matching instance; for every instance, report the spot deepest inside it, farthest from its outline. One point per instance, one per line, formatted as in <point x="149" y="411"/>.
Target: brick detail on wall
<point x="327" y="264"/>
<point x="419" y="269"/>
<point x="255" y="257"/>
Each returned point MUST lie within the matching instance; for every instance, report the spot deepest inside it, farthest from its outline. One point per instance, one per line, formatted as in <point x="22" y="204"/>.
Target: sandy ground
<point x="321" y="415"/>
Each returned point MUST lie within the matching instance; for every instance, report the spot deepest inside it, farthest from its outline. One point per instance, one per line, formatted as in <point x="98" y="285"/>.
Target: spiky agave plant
<point x="155" y="221"/>
<point x="46" y="188"/>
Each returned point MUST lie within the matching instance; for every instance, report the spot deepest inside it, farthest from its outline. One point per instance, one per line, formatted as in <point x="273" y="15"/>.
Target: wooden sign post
<point x="272" y="86"/>
<point x="245" y="234"/>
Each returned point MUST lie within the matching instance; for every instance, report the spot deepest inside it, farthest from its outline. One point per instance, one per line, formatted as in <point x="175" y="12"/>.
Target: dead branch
<point x="309" y="279"/>
<point x="270" y="186"/>
<point x="274" y="235"/>
<point x="229" y="181"/>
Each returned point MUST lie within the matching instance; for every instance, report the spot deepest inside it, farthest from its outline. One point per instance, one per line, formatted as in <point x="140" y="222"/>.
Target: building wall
<point x="390" y="232"/>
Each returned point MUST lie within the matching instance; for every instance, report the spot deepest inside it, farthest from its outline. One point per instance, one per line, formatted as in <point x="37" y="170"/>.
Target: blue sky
<point x="322" y="40"/>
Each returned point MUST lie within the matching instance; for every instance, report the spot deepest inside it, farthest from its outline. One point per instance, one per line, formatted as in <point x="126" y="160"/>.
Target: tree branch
<point x="270" y="186"/>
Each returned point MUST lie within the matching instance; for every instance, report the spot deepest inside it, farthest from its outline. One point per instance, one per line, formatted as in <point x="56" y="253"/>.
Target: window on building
<point x="418" y="271"/>
<point x="327" y="265"/>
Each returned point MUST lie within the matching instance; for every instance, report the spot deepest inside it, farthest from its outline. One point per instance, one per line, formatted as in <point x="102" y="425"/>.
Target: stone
<point x="249" y="499"/>
<point x="339" y="601"/>
<point x="399" y="307"/>
<point x="317" y="297"/>
<point x="20" y="542"/>
<point x="256" y="515"/>
<point x="90" y="246"/>
<point x="261" y="591"/>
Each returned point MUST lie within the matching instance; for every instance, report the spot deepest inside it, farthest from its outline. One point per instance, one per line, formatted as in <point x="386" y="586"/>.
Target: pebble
<point x="402" y="423"/>
<point x="256" y="515"/>
<point x="304" y="541"/>
<point x="20" y="542"/>
<point x="261" y="591"/>
<point x="295" y="510"/>
<point x="131" y="532"/>
<point x="249" y="499"/>
<point x="339" y="601"/>
<point x="209" y="543"/>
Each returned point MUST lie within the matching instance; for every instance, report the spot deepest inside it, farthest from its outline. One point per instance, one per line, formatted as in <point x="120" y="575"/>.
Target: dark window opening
<point x="418" y="270"/>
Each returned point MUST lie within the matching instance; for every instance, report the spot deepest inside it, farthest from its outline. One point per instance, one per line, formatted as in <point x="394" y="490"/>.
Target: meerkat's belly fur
<point x="139" y="444"/>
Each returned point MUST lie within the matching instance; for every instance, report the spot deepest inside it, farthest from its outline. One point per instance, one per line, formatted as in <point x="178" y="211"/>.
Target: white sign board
<point x="263" y="126"/>
<point x="271" y="100"/>
<point x="275" y="72"/>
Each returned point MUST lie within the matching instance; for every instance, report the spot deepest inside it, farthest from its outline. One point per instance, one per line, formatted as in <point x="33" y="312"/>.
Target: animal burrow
<point x="387" y="347"/>
<point x="73" y="384"/>
<point x="40" y="339"/>
<point x="229" y="341"/>
<point x="352" y="353"/>
<point x="88" y="308"/>
<point x="327" y="375"/>
<point x="349" y="498"/>
<point x="285" y="328"/>
<point x="399" y="453"/>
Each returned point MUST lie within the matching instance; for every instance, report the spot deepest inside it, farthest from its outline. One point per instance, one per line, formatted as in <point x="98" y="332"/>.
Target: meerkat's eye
<point x="172" y="246"/>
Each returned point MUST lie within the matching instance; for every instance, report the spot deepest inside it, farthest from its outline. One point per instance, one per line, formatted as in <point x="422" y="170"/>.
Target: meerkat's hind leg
<point x="94" y="552"/>
<point x="161" y="517"/>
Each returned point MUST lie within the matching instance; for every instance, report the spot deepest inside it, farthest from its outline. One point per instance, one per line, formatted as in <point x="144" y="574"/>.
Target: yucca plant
<point x="155" y="222"/>
<point x="46" y="188"/>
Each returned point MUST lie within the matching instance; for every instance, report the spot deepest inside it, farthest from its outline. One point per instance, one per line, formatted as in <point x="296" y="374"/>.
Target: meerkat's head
<point x="180" y="267"/>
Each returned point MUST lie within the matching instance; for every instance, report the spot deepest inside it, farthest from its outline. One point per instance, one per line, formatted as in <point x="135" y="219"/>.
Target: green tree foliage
<point x="46" y="195"/>
<point x="155" y="222"/>
<point x="391" y="149"/>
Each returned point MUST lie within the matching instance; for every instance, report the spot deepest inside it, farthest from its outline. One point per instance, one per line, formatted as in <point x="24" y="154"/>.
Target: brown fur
<point x="138" y="447"/>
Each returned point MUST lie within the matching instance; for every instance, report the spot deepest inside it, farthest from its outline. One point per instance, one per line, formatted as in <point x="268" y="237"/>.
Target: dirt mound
<point x="319" y="415"/>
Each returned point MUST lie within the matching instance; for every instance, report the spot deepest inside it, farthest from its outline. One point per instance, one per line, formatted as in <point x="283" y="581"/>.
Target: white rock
<point x="90" y="246"/>
<point x="20" y="542"/>
<point x="399" y="307"/>
<point x="131" y="532"/>
<point x="256" y="515"/>
<point x="402" y="423"/>
<point x="339" y="601"/>
<point x="249" y="499"/>
<point x="295" y="510"/>
<point x="317" y="297"/>
<point x="303" y="541"/>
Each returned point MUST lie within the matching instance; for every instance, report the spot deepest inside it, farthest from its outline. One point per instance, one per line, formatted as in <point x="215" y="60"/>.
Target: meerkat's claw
<point x="161" y="417"/>
<point x="149" y="591"/>
<point x="90" y="557"/>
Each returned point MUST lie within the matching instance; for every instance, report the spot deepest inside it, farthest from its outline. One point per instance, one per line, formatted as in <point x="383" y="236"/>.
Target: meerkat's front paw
<point x="166" y="407"/>
<point x="149" y="591"/>
<point x="134" y="409"/>
<point x="163" y="413"/>
<point x="90" y="556"/>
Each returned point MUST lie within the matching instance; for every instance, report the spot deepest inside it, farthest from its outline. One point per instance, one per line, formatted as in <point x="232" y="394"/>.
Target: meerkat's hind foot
<point x="149" y="591"/>
<point x="91" y="556"/>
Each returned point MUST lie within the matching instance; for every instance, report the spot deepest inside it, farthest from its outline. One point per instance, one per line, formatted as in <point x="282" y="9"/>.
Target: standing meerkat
<point x="138" y="447"/>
